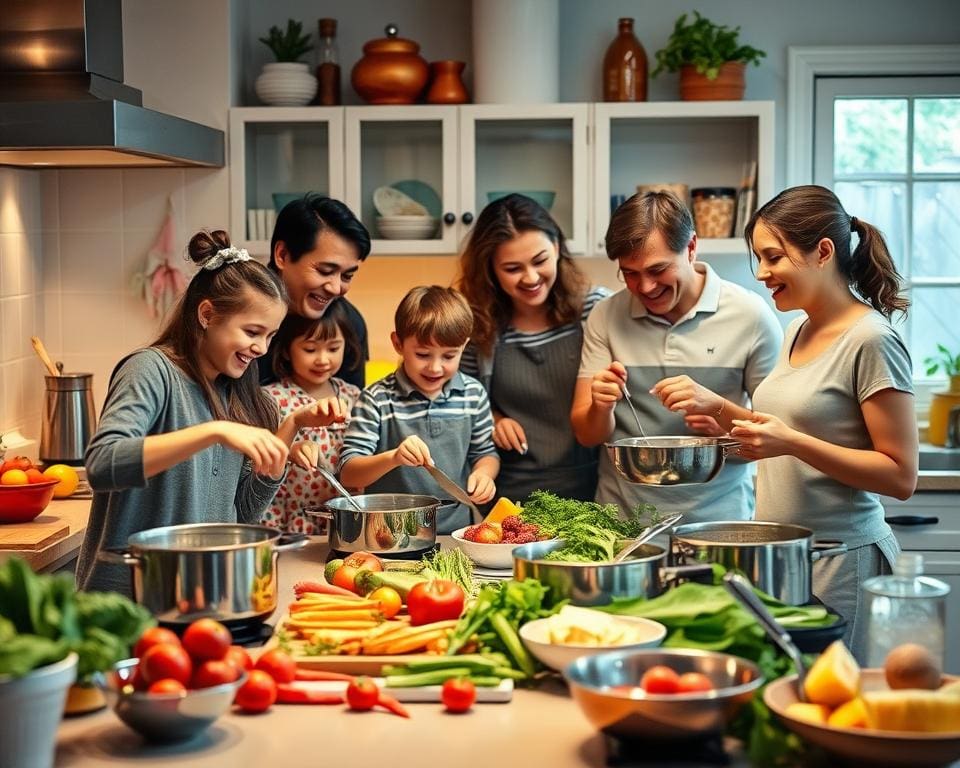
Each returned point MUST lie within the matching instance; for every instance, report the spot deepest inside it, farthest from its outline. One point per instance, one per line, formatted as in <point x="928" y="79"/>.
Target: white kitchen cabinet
<point x="281" y="151"/>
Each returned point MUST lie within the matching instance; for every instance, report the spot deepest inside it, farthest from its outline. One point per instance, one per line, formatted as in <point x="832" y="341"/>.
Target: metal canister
<point x="69" y="418"/>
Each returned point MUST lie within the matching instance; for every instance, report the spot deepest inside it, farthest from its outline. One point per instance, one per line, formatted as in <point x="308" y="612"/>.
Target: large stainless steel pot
<point x="644" y="574"/>
<point x="387" y="523"/>
<point x="669" y="460"/>
<point x="227" y="571"/>
<point x="776" y="557"/>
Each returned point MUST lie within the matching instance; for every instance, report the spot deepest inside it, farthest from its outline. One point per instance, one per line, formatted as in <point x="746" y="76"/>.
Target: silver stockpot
<point x="669" y="460"/>
<point x="776" y="557"/>
<point x="225" y="571"/>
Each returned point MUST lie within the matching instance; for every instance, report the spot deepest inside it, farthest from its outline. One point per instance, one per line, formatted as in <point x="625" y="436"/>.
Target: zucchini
<point x="367" y="581"/>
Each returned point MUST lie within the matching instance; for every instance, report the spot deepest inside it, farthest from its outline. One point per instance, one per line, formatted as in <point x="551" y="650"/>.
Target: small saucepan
<point x="669" y="460"/>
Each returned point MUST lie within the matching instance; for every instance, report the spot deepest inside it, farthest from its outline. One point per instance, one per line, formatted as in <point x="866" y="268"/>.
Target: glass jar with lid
<point x="714" y="210"/>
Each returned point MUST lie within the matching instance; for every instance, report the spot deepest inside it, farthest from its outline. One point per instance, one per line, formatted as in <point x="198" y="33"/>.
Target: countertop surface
<point x="74" y="512"/>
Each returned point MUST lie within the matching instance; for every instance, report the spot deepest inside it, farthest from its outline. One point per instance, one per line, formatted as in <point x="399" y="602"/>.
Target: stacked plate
<point x="402" y="217"/>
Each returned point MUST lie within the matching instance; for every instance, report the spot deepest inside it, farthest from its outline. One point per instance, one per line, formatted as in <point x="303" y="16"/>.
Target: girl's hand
<point x="508" y="435"/>
<point x="266" y="451"/>
<point x="681" y="393"/>
<point x="323" y="413"/>
<point x="763" y="437"/>
<point x="606" y="388"/>
<point x="412" y="452"/>
<point x="305" y="453"/>
<point x="704" y="425"/>
<point x="480" y="487"/>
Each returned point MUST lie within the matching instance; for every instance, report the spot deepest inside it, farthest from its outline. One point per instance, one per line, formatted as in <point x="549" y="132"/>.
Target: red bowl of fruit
<point x="491" y="545"/>
<point x="22" y="503"/>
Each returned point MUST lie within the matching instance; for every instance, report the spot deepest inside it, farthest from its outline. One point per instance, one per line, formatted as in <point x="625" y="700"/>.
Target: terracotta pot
<point x="728" y="85"/>
<point x="446" y="87"/>
<point x="391" y="70"/>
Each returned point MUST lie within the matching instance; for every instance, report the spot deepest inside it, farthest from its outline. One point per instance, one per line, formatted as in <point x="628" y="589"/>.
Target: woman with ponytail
<point x="834" y="424"/>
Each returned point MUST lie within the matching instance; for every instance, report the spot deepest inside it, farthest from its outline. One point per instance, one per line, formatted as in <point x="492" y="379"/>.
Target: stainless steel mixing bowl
<point x="669" y="460"/>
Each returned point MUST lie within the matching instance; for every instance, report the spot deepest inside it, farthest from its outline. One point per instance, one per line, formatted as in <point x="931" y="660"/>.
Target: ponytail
<point x="872" y="272"/>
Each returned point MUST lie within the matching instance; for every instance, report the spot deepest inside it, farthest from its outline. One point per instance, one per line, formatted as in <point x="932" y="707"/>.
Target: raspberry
<point x="511" y="523"/>
<point x="525" y="538"/>
<point x="471" y="533"/>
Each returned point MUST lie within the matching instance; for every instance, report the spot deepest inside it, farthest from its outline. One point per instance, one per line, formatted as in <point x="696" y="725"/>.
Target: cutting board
<point x="40" y="532"/>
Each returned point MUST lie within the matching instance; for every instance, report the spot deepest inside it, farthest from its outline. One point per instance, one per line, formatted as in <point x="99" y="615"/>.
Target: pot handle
<point x="444" y="503"/>
<point x="674" y="572"/>
<point x="288" y="541"/>
<point x="821" y="549"/>
<point x="118" y="556"/>
<point x="326" y="514"/>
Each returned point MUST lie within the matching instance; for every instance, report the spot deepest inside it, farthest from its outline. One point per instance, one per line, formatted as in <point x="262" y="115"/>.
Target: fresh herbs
<point x="704" y="45"/>
<point x="590" y="530"/>
<point x="452" y="565"/>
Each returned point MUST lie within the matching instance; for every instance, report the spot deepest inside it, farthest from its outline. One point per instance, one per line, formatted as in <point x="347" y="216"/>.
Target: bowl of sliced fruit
<point x="490" y="544"/>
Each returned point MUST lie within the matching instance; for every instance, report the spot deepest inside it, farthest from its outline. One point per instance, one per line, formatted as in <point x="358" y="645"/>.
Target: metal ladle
<point x="742" y="589"/>
<point x="647" y="534"/>
<point x="636" y="418"/>
<point x="328" y="476"/>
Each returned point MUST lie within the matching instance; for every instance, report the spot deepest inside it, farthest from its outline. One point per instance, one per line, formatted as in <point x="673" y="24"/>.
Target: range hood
<point x="63" y="102"/>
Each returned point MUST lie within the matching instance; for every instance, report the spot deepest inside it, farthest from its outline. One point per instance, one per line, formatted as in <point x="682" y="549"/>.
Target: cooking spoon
<point x="741" y="589"/>
<point x="636" y="418"/>
<point x="648" y="533"/>
<point x="328" y="476"/>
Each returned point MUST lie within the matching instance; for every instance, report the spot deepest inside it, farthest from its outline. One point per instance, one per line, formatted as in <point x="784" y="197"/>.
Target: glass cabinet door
<point x="539" y="150"/>
<point x="278" y="154"/>
<point x="401" y="176"/>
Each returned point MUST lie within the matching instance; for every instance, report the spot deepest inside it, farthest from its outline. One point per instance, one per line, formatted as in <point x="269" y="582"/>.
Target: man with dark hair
<point x="317" y="247"/>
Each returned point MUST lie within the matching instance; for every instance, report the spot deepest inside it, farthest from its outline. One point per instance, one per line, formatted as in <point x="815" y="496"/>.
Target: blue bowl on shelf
<point x="544" y="197"/>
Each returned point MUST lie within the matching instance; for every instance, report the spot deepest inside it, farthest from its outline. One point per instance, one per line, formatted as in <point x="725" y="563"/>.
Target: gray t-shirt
<point x="822" y="398"/>
<point x="149" y="395"/>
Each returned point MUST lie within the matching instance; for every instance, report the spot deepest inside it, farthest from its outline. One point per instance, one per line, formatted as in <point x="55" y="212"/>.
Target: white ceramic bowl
<point x="412" y="228"/>
<point x="536" y="637"/>
<point x="496" y="556"/>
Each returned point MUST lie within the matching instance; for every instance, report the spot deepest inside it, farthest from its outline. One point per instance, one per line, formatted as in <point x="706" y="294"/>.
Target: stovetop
<point x="249" y="634"/>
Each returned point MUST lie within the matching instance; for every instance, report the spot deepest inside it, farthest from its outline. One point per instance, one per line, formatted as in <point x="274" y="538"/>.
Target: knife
<point x="452" y="488"/>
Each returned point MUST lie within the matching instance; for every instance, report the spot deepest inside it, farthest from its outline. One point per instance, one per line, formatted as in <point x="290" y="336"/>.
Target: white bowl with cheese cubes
<point x="561" y="639"/>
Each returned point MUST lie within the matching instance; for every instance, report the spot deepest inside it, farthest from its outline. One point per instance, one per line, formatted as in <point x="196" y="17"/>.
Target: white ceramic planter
<point x="30" y="711"/>
<point x="286" y="84"/>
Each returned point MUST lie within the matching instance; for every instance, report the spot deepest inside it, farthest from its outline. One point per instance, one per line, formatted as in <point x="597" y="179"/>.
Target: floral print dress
<point x="302" y="489"/>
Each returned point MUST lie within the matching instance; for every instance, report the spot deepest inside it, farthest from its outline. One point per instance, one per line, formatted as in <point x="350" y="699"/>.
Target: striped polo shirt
<point x="728" y="342"/>
<point x="456" y="426"/>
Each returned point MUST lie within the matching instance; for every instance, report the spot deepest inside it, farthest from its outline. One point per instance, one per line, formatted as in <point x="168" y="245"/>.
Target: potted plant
<point x="709" y="57"/>
<point x="943" y="403"/>
<point x="287" y="82"/>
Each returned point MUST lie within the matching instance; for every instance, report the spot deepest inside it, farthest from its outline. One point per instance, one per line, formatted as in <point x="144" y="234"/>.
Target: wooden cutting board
<point x="38" y="533"/>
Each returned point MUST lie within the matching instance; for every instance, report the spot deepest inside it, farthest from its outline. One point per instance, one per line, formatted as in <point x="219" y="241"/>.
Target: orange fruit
<point x="14" y="477"/>
<point x="34" y="475"/>
<point x="834" y="678"/>
<point x="67" y="476"/>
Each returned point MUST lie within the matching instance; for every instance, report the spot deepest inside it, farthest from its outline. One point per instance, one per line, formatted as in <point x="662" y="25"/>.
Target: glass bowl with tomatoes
<point x="175" y="715"/>
<point x="662" y="693"/>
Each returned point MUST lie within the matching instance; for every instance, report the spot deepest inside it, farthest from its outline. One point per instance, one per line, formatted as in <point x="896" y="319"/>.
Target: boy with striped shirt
<point x="426" y="412"/>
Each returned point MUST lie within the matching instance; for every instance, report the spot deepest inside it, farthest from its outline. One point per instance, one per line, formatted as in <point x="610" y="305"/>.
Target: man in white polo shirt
<point x="675" y="317"/>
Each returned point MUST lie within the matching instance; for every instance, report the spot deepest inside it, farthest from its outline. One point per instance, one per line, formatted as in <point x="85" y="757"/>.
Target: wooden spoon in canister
<point x="44" y="357"/>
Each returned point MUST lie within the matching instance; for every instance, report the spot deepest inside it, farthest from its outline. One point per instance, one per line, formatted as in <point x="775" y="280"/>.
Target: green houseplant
<point x="286" y="82"/>
<point x="942" y="403"/>
<point x="709" y="57"/>
<point x="943" y="359"/>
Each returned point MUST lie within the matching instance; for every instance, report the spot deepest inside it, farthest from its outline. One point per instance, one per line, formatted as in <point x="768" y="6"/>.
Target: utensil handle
<point x="821" y="549"/>
<point x="328" y="476"/>
<point x="118" y="557"/>
<point x="44" y="357"/>
<point x="290" y="541"/>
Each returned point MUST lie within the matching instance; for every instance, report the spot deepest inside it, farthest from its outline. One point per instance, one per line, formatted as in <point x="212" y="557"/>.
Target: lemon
<point x="66" y="475"/>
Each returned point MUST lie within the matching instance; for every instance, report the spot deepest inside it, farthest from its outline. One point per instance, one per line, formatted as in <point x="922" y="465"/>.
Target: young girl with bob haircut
<point x="186" y="434"/>
<point x="529" y="301"/>
<point x="835" y="425"/>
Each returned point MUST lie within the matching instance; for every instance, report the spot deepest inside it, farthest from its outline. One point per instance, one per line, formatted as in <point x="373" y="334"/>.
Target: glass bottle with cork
<point x="328" y="65"/>
<point x="625" y="66"/>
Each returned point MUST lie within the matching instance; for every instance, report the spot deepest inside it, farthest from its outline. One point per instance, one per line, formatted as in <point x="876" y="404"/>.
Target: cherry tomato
<point x="388" y="599"/>
<point x="660" y="679"/>
<point x="364" y="561"/>
<point x="239" y="658"/>
<point x="692" y="682"/>
<point x="213" y="672"/>
<point x="154" y="636"/>
<point x="458" y="694"/>
<point x="207" y="639"/>
<point x="166" y="660"/>
<point x="34" y="475"/>
<point x="278" y="665"/>
<point x="167" y="685"/>
<point x="258" y="693"/>
<point x="17" y="462"/>
<point x="437" y="600"/>
<point x="362" y="694"/>
<point x="344" y="577"/>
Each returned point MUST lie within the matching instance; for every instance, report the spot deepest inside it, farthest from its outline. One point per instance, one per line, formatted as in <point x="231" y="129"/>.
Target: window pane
<point x="936" y="141"/>
<point x="933" y="320"/>
<point x="870" y="136"/>
<point x="883" y="204"/>
<point x="936" y="229"/>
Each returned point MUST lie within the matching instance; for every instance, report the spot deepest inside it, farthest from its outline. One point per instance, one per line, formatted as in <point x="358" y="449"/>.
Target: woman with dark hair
<point x="835" y="422"/>
<point x="316" y="248"/>
<point x="529" y="300"/>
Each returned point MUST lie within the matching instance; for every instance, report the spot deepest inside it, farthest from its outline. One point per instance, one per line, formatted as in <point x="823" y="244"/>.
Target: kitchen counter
<point x="72" y="511"/>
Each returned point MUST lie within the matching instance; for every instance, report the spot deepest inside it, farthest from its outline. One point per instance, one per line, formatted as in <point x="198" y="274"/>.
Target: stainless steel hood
<point x="63" y="102"/>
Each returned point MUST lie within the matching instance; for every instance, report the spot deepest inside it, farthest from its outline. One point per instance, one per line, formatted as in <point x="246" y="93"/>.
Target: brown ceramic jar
<point x="446" y="87"/>
<point x="391" y="70"/>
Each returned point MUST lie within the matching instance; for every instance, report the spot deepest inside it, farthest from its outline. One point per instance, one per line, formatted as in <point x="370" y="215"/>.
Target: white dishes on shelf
<point x="407" y="227"/>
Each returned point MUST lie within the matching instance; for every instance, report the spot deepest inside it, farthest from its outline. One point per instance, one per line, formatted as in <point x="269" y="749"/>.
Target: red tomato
<point x="166" y="660"/>
<point x="437" y="600"/>
<point x="458" y="694"/>
<point x="258" y="693"/>
<point x="692" y="682"/>
<point x="239" y="658"/>
<point x="389" y="600"/>
<point x="17" y="462"/>
<point x="34" y="475"/>
<point x="364" y="561"/>
<point x="154" y="636"/>
<point x="213" y="672"/>
<point x="344" y="577"/>
<point x="660" y="679"/>
<point x="167" y="685"/>
<point x="206" y="640"/>
<point x="362" y="694"/>
<point x="278" y="665"/>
